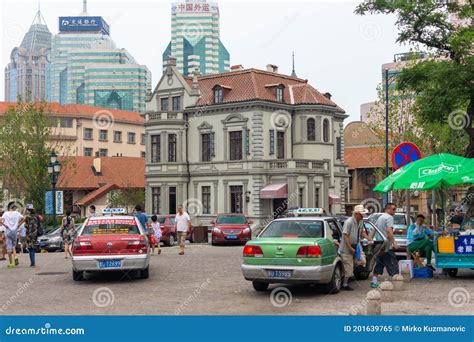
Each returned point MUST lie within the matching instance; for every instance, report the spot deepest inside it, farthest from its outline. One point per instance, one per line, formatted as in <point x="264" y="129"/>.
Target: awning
<point x="278" y="190"/>
<point x="334" y="199"/>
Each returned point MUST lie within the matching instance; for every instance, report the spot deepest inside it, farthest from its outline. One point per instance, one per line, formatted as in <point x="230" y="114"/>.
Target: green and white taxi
<point x="295" y="250"/>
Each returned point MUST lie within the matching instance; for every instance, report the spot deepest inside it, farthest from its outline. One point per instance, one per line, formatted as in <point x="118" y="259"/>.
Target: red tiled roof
<point x="92" y="196"/>
<point x="252" y="84"/>
<point x="82" y="111"/>
<point x="365" y="157"/>
<point x="78" y="173"/>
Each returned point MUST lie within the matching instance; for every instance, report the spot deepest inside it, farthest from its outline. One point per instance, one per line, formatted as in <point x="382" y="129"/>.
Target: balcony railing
<point x="156" y="116"/>
<point x="296" y="164"/>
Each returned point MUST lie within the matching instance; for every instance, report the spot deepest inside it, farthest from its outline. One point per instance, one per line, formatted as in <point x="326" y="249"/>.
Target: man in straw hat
<point x="350" y="248"/>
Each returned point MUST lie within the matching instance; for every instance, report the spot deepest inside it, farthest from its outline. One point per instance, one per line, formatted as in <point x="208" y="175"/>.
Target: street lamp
<point x="54" y="167"/>
<point x="385" y="195"/>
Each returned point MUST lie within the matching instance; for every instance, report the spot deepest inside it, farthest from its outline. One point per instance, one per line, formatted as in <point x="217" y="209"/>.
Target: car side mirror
<point x="364" y="242"/>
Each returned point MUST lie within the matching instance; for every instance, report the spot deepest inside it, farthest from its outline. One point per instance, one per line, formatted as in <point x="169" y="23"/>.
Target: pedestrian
<point x="387" y="258"/>
<point x="3" y="246"/>
<point x="182" y="224"/>
<point x="31" y="225"/>
<point x="11" y="220"/>
<point x="22" y="236"/>
<point x="67" y="232"/>
<point x="156" y="234"/>
<point x="457" y="219"/>
<point x="92" y="211"/>
<point x="417" y="239"/>
<point x="141" y="217"/>
<point x="350" y="248"/>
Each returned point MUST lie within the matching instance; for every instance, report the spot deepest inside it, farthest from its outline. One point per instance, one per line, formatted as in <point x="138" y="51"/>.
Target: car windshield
<point x="399" y="219"/>
<point x="111" y="226"/>
<point x="161" y="219"/>
<point x="231" y="219"/>
<point x="293" y="228"/>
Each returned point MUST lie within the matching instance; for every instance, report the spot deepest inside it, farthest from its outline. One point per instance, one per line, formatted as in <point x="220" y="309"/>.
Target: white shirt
<point x="11" y="220"/>
<point x="181" y="221"/>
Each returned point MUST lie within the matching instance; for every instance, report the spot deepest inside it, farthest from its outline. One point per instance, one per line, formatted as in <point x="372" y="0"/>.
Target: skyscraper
<point x="87" y="68"/>
<point x="25" y="75"/>
<point x="195" y="38"/>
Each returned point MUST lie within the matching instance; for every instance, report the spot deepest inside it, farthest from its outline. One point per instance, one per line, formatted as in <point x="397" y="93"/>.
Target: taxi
<point x="295" y="250"/>
<point x="112" y="242"/>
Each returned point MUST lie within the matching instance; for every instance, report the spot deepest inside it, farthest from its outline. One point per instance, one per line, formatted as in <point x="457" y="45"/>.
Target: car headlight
<point x="246" y="230"/>
<point x="216" y="230"/>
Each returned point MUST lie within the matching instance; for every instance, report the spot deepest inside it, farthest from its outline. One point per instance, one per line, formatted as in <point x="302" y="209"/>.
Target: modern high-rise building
<point x="87" y="68"/>
<point x="25" y="75"/>
<point x="195" y="38"/>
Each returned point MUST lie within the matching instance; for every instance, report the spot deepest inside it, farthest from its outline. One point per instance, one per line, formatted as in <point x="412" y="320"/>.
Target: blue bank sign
<point x="81" y="24"/>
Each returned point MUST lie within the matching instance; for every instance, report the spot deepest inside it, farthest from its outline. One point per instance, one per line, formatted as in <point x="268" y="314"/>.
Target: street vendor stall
<point x="454" y="248"/>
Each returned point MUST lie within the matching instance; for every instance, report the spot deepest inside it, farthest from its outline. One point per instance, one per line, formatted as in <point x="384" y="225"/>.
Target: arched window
<point x="326" y="130"/>
<point x="311" y="129"/>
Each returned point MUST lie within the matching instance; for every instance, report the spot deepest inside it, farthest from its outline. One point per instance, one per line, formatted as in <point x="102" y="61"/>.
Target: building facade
<point x="195" y="38"/>
<point x="25" y="75"/>
<point x="87" y="68"/>
<point x="94" y="132"/>
<point x="250" y="141"/>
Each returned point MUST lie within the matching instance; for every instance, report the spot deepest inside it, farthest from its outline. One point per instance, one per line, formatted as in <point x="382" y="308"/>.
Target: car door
<point x="379" y="240"/>
<point x="334" y="232"/>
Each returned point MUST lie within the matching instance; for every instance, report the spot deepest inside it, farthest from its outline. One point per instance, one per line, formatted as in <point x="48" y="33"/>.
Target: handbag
<point x="153" y="240"/>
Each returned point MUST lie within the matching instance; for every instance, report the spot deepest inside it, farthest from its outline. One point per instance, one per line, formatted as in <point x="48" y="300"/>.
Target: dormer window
<point x="218" y="95"/>
<point x="279" y="94"/>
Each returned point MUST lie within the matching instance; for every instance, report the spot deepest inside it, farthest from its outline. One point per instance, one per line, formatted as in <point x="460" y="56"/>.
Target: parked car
<point x="110" y="243"/>
<point x="168" y="234"/>
<point x="295" y="250"/>
<point x="230" y="228"/>
<point x="400" y="230"/>
<point x="52" y="241"/>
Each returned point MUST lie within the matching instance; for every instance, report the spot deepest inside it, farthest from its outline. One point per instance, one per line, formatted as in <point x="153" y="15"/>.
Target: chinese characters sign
<point x="78" y="24"/>
<point x="464" y="244"/>
<point x="193" y="7"/>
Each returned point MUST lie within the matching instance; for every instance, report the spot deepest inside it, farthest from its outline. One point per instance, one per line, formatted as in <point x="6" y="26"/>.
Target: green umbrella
<point x="438" y="171"/>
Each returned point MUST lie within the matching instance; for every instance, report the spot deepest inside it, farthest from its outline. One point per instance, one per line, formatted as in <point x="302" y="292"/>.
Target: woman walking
<point x="67" y="232"/>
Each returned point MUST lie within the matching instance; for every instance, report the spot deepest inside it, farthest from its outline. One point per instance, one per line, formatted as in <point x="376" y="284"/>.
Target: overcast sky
<point x="336" y="50"/>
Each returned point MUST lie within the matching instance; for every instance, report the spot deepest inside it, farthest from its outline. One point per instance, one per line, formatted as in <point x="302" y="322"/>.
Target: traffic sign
<point x="404" y="154"/>
<point x="49" y="203"/>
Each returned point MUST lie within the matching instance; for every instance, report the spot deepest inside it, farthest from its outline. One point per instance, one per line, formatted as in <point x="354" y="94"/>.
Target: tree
<point x="443" y="84"/>
<point x="26" y="141"/>
<point x="126" y="198"/>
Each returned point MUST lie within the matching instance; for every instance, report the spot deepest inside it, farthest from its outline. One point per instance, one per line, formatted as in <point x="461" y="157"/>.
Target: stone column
<point x="311" y="203"/>
<point x="303" y="132"/>
<point x="226" y="197"/>
<point x="226" y="157"/>
<point x="292" y="191"/>
<point x="318" y="129"/>
<point x="325" y="193"/>
<point x="257" y="136"/>
<point x="215" y="208"/>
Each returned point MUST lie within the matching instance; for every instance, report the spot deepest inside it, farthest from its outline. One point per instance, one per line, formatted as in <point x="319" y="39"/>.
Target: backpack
<point x="39" y="227"/>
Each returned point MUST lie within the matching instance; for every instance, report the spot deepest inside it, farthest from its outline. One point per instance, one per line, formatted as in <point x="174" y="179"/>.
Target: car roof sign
<point x="308" y="211"/>
<point x="108" y="211"/>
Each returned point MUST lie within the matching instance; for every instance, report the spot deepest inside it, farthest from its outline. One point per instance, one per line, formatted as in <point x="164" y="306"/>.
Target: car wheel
<point x="144" y="274"/>
<point x="77" y="275"/>
<point x="260" y="286"/>
<point x="171" y="241"/>
<point x="336" y="281"/>
<point x="361" y="273"/>
<point x="453" y="272"/>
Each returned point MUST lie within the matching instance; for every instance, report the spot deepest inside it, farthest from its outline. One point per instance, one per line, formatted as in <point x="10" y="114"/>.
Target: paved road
<point x="205" y="281"/>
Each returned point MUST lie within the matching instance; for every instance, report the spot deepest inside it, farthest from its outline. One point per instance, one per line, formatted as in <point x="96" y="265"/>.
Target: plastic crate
<point x="446" y="245"/>
<point x="422" y="272"/>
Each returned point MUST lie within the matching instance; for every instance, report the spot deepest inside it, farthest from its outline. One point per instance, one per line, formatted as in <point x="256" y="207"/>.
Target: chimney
<point x="327" y="95"/>
<point x="97" y="165"/>
<point x="272" y="67"/>
<point x="236" y="67"/>
<point x="170" y="62"/>
<point x="195" y="86"/>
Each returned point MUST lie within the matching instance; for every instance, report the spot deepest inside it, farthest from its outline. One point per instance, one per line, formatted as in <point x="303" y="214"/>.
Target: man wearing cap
<point x="350" y="247"/>
<point x="31" y="225"/>
<point x="11" y="220"/>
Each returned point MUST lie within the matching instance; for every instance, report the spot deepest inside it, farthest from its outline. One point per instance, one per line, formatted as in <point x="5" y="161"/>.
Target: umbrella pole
<point x="434" y="221"/>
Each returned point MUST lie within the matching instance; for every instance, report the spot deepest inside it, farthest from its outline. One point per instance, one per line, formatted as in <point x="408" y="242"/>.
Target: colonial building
<point x="249" y="140"/>
<point x="91" y="131"/>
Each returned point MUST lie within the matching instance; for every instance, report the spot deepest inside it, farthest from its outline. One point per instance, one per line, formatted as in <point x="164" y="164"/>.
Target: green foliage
<point x="25" y="135"/>
<point x="443" y="84"/>
<point x="126" y="198"/>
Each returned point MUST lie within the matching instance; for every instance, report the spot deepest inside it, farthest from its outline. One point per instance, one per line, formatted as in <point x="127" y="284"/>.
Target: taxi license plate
<point x="279" y="274"/>
<point x="231" y="237"/>
<point x="110" y="264"/>
<point x="42" y="244"/>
